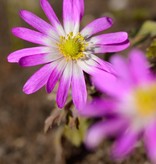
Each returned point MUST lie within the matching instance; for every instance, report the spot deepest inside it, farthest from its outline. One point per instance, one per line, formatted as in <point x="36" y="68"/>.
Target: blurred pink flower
<point x="130" y="112"/>
<point x="65" y="51"/>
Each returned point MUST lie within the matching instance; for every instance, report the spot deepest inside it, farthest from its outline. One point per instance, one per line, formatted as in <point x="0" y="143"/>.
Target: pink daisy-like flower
<point x="64" y="50"/>
<point x="131" y="108"/>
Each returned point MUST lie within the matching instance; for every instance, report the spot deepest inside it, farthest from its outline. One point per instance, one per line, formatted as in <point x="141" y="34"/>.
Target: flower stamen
<point x="72" y="47"/>
<point x="146" y="100"/>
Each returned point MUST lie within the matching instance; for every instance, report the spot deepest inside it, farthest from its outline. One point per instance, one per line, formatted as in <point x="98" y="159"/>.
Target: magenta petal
<point x="79" y="92"/>
<point x="150" y="141"/>
<point x="33" y="60"/>
<point x="81" y="7"/>
<point x="112" y="47"/>
<point x="37" y="60"/>
<point x="16" y="55"/>
<point x="64" y="86"/>
<point x="38" y="79"/>
<point x="68" y="15"/>
<point x="29" y="35"/>
<point x="67" y="10"/>
<point x="37" y="22"/>
<point x="48" y="10"/>
<point x="96" y="26"/>
<point x="78" y="10"/>
<point x="108" y="83"/>
<point x="73" y="11"/>
<point x="125" y="144"/>
<point x="103" y="65"/>
<point x="88" y="68"/>
<point x="120" y="84"/>
<point x="101" y="130"/>
<point x="122" y="68"/>
<point x="98" y="108"/>
<point x="141" y="73"/>
<point x="93" y="65"/>
<point x="55" y="75"/>
<point x="112" y="38"/>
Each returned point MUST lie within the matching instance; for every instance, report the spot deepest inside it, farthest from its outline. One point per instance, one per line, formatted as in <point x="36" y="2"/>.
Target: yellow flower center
<point x="145" y="99"/>
<point x="72" y="47"/>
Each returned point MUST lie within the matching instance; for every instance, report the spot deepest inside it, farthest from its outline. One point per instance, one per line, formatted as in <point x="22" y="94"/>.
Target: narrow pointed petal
<point x="80" y="7"/>
<point x="112" y="47"/>
<point x="55" y="75"/>
<point x="68" y="15"/>
<point x="103" y="65"/>
<point x="142" y="73"/>
<point x="112" y="38"/>
<point x="73" y="11"/>
<point x="103" y="129"/>
<point x="103" y="79"/>
<point x="38" y="23"/>
<point x="38" y="59"/>
<point x="89" y="66"/>
<point x="150" y="141"/>
<point x="79" y="92"/>
<point x="64" y="86"/>
<point x="38" y="79"/>
<point x="118" y="81"/>
<point x="98" y="108"/>
<point x="110" y="84"/>
<point x="49" y="12"/>
<point x="15" y="56"/>
<point x="125" y="144"/>
<point x="122" y="68"/>
<point x="29" y="35"/>
<point x="96" y="26"/>
<point x="78" y="11"/>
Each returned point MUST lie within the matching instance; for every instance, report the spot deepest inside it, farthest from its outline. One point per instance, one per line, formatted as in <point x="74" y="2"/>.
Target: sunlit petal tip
<point x="22" y="12"/>
<point x="42" y="2"/>
<point x="14" y="30"/>
<point x="125" y="144"/>
<point x="64" y="85"/>
<point x="38" y="79"/>
<point x="10" y="59"/>
<point x="79" y="91"/>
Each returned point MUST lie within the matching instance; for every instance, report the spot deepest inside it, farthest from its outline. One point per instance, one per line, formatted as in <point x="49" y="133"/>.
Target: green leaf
<point x="148" y="28"/>
<point x="151" y="51"/>
<point x="76" y="135"/>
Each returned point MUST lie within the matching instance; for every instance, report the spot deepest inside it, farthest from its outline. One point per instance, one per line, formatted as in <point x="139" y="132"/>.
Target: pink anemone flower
<point x="130" y="111"/>
<point x="64" y="50"/>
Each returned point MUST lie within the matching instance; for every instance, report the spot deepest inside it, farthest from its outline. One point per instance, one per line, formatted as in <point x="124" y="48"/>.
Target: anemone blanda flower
<point x="132" y="107"/>
<point x="64" y="50"/>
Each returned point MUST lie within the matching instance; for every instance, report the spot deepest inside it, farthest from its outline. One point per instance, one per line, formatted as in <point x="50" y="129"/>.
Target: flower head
<point x="64" y="50"/>
<point x="132" y="106"/>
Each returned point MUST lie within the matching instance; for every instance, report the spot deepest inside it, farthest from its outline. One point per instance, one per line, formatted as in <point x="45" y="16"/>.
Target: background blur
<point x="22" y="117"/>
